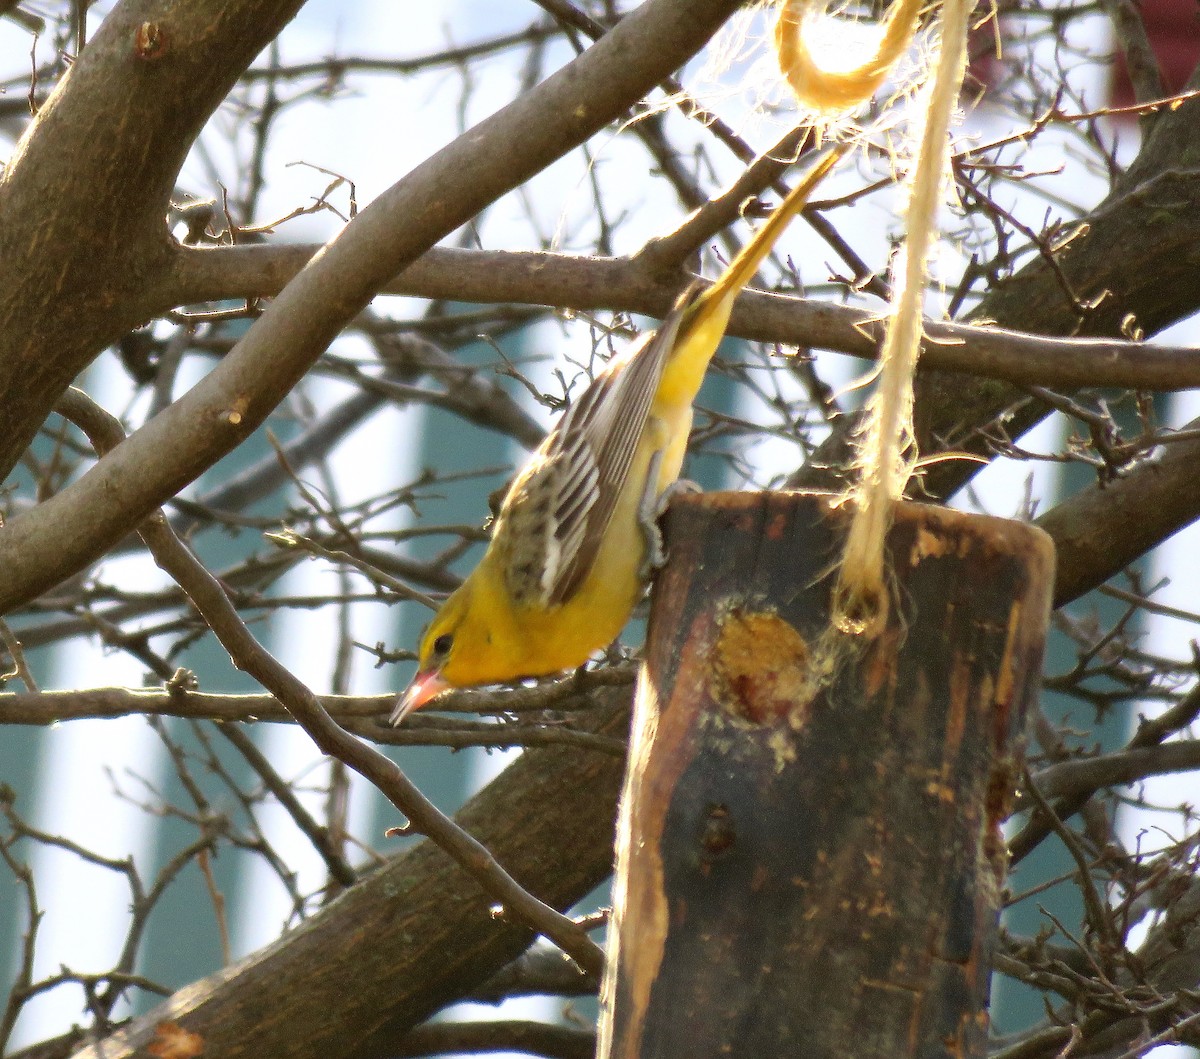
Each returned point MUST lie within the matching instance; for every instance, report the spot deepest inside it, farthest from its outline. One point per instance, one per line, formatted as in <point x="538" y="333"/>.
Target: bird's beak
<point x="424" y="687"/>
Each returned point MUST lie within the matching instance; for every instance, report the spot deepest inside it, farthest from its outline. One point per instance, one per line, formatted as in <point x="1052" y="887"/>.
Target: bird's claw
<point x="679" y="487"/>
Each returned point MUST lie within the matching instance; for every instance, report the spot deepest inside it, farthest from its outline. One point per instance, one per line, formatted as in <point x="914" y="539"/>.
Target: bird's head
<point x="452" y="646"/>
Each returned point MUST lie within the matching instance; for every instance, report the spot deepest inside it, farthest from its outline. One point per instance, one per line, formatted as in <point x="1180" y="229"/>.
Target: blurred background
<point x="421" y="410"/>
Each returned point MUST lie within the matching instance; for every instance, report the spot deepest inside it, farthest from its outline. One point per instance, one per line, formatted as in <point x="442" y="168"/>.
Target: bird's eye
<point x="442" y="645"/>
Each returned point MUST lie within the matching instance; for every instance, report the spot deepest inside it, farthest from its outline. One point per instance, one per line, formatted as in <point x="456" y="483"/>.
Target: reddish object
<point x="1174" y="30"/>
<point x="1173" y="27"/>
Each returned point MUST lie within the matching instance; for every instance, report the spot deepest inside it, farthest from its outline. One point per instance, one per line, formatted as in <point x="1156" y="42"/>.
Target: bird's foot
<point x="679" y="487"/>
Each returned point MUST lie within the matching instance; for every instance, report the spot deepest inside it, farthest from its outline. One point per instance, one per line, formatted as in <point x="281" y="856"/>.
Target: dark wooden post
<point x="814" y="871"/>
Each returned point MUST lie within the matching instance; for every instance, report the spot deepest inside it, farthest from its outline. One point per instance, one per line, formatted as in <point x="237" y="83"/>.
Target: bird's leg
<point x="648" y="511"/>
<point x="651" y="508"/>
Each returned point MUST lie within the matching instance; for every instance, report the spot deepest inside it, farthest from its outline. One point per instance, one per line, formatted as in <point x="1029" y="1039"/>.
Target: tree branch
<point x="362" y="715"/>
<point x="1104" y="527"/>
<point x="106" y="148"/>
<point x="638" y="285"/>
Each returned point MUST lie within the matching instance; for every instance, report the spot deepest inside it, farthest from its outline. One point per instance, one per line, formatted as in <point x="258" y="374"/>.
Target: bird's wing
<point x="559" y="510"/>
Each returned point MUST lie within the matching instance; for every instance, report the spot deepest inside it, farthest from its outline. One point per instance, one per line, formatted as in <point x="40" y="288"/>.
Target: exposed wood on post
<point x="813" y="867"/>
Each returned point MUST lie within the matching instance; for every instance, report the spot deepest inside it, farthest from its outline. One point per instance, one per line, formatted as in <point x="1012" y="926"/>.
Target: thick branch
<point x="1072" y="779"/>
<point x="533" y="1038"/>
<point x="1103" y="528"/>
<point x="583" y="283"/>
<point x="105" y="149"/>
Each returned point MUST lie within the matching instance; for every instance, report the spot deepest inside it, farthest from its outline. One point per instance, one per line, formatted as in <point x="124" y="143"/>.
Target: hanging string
<point x="886" y="451"/>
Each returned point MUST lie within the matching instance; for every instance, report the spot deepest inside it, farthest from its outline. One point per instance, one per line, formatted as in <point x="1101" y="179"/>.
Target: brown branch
<point x="541" y="970"/>
<point x="668" y="252"/>
<point x="51" y="707"/>
<point x="16" y="652"/>
<point x="54" y="1048"/>
<point x="364" y="716"/>
<point x="631" y="285"/>
<point x="508" y="1035"/>
<point x="76" y="277"/>
<point x="1098" y="915"/>
<point x="1076" y="778"/>
<point x="335" y="68"/>
<point x="1073" y="782"/>
<point x="1140" y="61"/>
<point x="1101" y="529"/>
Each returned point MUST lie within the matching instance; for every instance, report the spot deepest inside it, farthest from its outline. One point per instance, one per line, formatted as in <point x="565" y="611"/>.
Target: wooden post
<point x="815" y="871"/>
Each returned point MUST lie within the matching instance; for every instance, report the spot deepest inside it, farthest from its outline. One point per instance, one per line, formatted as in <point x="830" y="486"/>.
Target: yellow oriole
<point x="567" y="560"/>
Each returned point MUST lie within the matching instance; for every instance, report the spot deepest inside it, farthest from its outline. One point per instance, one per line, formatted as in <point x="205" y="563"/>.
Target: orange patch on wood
<point x="928" y="544"/>
<point x="879" y="668"/>
<point x="172" y="1041"/>
<point x="760" y="667"/>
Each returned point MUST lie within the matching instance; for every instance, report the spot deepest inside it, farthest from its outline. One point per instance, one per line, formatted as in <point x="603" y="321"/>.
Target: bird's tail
<point x="743" y="267"/>
<point x="704" y="316"/>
